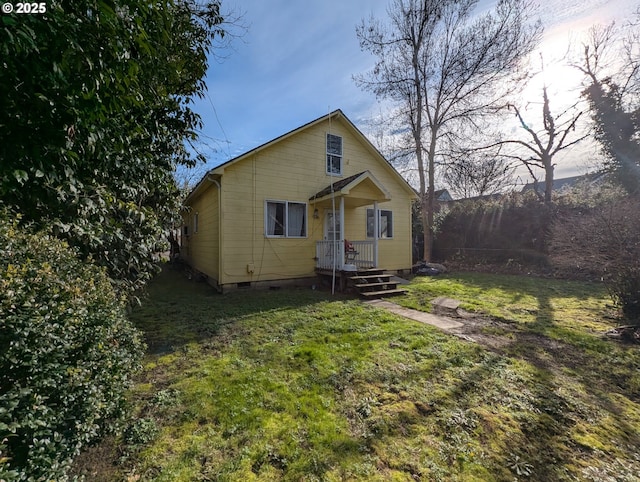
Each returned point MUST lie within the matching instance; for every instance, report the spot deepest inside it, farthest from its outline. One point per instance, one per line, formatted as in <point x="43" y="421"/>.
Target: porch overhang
<point x="361" y="189"/>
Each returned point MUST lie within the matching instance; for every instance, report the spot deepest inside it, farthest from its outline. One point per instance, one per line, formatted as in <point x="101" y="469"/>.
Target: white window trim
<point x="286" y="220"/>
<point x="195" y="223"/>
<point x="341" y="156"/>
<point x="380" y="211"/>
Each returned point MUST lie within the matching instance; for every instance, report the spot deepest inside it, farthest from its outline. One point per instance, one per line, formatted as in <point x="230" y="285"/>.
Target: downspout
<point x="220" y="237"/>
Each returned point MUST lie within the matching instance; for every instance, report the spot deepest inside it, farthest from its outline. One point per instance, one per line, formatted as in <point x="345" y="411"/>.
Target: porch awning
<point x="361" y="189"/>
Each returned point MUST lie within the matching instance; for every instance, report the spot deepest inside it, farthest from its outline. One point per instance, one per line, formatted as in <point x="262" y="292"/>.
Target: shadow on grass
<point x="346" y="392"/>
<point x="554" y="340"/>
<point x="584" y="397"/>
<point x="176" y="310"/>
<point x="515" y="424"/>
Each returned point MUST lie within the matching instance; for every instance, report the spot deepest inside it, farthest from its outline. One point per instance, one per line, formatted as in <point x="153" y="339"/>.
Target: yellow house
<point x="320" y="198"/>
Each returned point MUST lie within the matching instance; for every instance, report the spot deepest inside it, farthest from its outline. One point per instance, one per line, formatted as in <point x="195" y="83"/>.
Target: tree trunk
<point x="428" y="227"/>
<point x="548" y="180"/>
<point x="426" y="234"/>
<point x="431" y="196"/>
<point x="424" y="205"/>
<point x="417" y="139"/>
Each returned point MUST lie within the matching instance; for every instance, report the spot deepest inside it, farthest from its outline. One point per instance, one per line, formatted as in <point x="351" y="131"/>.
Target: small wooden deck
<point x="369" y="283"/>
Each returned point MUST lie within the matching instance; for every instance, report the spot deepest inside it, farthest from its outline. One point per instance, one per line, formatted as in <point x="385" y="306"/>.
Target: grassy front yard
<point x="297" y="385"/>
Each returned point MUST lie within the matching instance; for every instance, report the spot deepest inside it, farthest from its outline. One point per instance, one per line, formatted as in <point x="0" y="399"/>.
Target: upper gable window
<point x="334" y="154"/>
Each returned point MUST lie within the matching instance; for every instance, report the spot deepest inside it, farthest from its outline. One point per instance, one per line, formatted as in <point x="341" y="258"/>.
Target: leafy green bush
<point x="108" y="87"/>
<point x="67" y="352"/>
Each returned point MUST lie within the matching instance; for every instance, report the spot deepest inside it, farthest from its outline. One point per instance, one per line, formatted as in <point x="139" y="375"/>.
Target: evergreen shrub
<point x="67" y="352"/>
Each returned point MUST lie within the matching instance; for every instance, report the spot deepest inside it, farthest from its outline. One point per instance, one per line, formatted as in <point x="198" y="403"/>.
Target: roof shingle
<point x="336" y="186"/>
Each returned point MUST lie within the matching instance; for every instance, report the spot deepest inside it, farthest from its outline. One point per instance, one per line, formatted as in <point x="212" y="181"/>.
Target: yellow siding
<point x="246" y="186"/>
<point x="293" y="169"/>
<point x="365" y="190"/>
<point x="202" y="250"/>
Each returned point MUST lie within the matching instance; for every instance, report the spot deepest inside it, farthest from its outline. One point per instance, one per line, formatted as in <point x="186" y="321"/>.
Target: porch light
<point x="316" y="214"/>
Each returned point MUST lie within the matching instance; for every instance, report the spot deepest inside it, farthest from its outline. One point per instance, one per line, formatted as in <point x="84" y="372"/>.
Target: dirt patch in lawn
<point x="551" y="354"/>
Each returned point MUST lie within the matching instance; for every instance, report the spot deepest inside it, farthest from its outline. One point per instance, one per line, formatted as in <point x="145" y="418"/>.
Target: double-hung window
<point x="284" y="219"/>
<point x="385" y="224"/>
<point x="334" y="155"/>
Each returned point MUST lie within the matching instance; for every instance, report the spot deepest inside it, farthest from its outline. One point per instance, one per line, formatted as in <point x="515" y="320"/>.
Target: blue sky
<point x="297" y="60"/>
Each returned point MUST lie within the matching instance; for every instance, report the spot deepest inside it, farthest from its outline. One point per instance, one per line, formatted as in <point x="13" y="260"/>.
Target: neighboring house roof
<point x="337" y="114"/>
<point x="485" y="197"/>
<point x="563" y="184"/>
<point x="443" y="195"/>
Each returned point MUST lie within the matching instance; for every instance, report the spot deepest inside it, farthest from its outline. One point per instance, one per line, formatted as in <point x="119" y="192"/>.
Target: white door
<point x="332" y="225"/>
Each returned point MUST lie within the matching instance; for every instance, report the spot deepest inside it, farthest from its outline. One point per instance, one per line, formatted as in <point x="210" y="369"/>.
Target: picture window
<point x="285" y="219"/>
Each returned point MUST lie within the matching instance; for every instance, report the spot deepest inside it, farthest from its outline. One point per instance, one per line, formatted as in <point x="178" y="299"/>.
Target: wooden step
<point x="370" y="271"/>
<point x="379" y="294"/>
<point x="373" y="285"/>
<point x="370" y="276"/>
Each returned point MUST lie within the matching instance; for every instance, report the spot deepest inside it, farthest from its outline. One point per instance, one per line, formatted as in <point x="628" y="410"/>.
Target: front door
<point x="332" y="228"/>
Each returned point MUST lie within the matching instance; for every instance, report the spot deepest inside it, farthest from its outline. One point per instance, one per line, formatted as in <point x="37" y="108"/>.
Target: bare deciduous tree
<point x="445" y="67"/>
<point x="542" y="145"/>
<point x="477" y="175"/>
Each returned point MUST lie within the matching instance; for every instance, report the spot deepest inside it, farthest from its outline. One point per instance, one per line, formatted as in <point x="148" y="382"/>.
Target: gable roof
<point x="336" y="114"/>
<point x="344" y="186"/>
<point x="336" y="186"/>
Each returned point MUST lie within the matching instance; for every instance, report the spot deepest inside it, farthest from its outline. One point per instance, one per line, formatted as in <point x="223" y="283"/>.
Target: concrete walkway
<point x="443" y="322"/>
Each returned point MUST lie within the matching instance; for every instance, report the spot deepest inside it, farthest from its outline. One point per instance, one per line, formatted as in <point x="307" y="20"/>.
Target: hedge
<point x="67" y="352"/>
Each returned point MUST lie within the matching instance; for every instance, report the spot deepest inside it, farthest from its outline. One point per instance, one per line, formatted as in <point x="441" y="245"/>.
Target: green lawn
<point x="298" y="385"/>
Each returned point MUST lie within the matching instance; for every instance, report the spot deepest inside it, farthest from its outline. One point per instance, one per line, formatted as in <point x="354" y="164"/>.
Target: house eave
<point x="202" y="186"/>
<point x="324" y="197"/>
